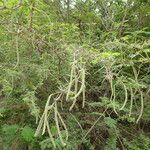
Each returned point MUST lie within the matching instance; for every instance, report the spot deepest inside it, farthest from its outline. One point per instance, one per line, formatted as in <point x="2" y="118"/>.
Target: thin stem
<point x="94" y="124"/>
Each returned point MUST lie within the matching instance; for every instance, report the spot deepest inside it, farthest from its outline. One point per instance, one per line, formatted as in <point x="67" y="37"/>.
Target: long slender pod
<point x="64" y="125"/>
<point x="114" y="100"/>
<point x="57" y="125"/>
<point x="142" y="107"/>
<point x="50" y="135"/>
<point x="39" y="126"/>
<point x="126" y="96"/>
<point x="71" y="80"/>
<point x="45" y="113"/>
<point x="131" y="102"/>
<point x="81" y="88"/>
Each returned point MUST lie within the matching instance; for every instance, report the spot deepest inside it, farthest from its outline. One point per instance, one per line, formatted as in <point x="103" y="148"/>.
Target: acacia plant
<point x="74" y="74"/>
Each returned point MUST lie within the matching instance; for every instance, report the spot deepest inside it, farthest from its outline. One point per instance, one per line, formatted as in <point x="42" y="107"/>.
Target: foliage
<point x="27" y="134"/>
<point x="74" y="74"/>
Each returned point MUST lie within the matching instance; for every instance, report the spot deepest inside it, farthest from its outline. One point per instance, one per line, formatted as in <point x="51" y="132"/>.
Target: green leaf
<point x="2" y="110"/>
<point x="46" y="144"/>
<point x="10" y="129"/>
<point x="146" y="50"/>
<point x="96" y="104"/>
<point x="27" y="134"/>
<point x="54" y="130"/>
<point x="110" y="122"/>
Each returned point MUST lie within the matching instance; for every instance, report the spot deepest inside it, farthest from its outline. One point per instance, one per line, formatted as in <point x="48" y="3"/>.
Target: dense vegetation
<point x="75" y="74"/>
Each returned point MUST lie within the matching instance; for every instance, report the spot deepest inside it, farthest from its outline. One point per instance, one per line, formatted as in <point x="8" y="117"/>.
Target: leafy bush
<point x="74" y="74"/>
